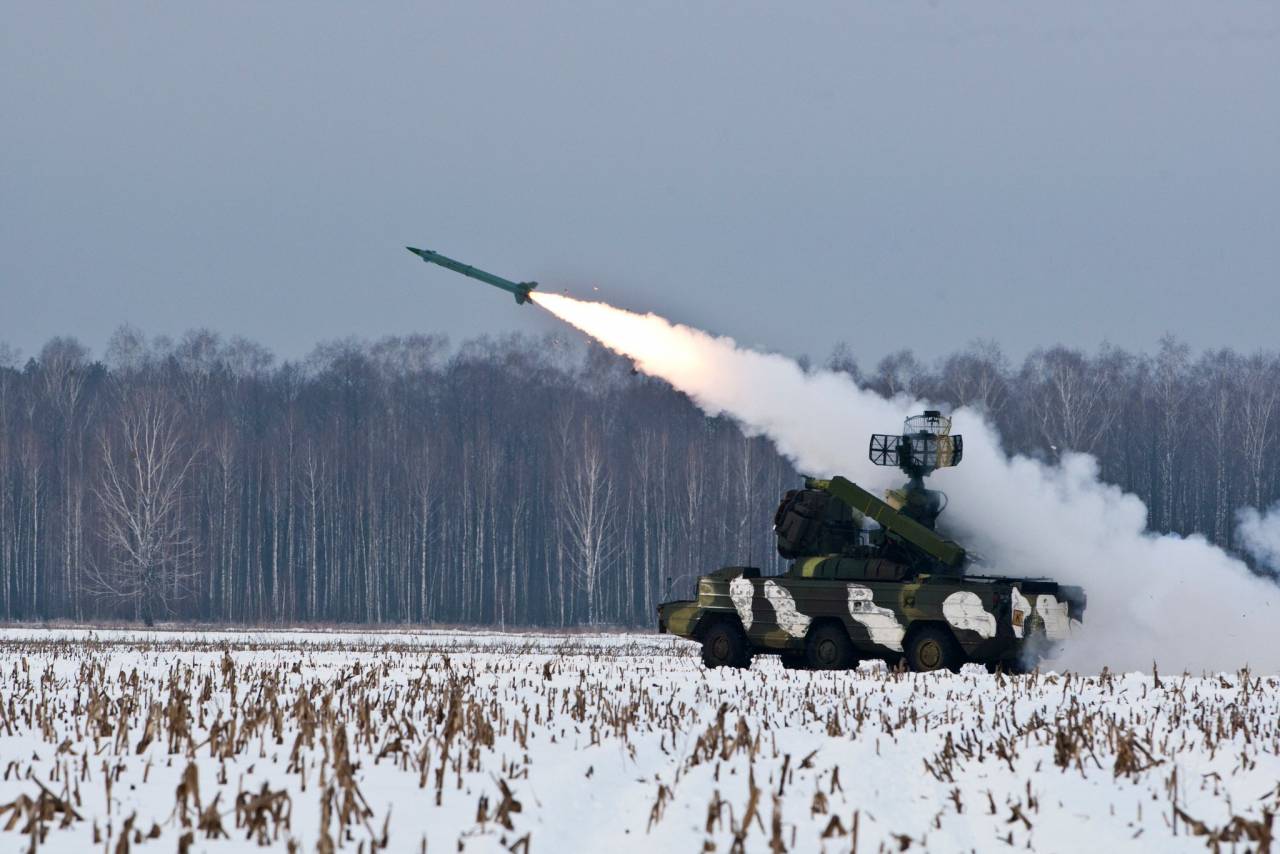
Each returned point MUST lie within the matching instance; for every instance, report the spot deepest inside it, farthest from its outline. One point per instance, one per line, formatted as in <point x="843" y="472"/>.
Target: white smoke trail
<point x="1178" y="601"/>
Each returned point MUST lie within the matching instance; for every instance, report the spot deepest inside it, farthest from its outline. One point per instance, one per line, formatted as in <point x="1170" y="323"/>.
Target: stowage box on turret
<point x="872" y="578"/>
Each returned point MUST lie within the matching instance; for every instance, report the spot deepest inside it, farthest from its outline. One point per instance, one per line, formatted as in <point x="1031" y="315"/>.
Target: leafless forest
<point x="509" y="482"/>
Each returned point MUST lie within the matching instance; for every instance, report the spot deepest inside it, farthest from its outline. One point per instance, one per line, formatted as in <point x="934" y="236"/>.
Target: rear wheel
<point x="725" y="645"/>
<point x="933" y="648"/>
<point x="829" y="648"/>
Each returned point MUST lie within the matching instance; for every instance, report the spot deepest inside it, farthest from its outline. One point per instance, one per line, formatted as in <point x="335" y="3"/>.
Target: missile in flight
<point x="520" y="290"/>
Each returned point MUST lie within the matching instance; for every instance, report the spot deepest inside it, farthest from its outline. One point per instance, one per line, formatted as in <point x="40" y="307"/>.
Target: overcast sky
<point x="791" y="174"/>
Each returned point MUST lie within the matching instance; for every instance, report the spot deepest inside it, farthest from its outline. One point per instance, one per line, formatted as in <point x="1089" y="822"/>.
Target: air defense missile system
<point x="873" y="578"/>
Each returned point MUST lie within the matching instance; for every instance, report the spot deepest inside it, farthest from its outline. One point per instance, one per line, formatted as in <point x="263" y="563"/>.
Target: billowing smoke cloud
<point x="1259" y="535"/>
<point x="1181" y="602"/>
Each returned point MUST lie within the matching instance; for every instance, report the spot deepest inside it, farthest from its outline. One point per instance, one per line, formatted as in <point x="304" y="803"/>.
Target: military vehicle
<point x="872" y="578"/>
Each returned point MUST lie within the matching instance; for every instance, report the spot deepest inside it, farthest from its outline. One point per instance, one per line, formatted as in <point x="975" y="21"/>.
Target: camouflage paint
<point x="881" y="624"/>
<point x="964" y="610"/>
<point x="680" y="618"/>
<point x="1021" y="612"/>
<point x="743" y="593"/>
<point x="808" y="568"/>
<point x="789" y="619"/>
<point x="777" y="613"/>
<point x="1057" y="626"/>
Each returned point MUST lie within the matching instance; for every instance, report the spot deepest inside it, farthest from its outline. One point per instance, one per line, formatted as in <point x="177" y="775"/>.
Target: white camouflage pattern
<point x="881" y="623"/>
<point x="790" y="620"/>
<point x="963" y="610"/>
<point x="1021" y="605"/>
<point x="1057" y="625"/>
<point x="742" y="592"/>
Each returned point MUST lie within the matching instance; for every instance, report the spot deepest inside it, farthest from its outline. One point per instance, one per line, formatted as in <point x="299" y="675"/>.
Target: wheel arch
<point x="818" y="622"/>
<point x="712" y="618"/>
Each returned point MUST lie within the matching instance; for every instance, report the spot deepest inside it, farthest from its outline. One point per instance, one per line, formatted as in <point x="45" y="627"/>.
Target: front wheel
<point x="724" y="645"/>
<point x="933" y="648"/>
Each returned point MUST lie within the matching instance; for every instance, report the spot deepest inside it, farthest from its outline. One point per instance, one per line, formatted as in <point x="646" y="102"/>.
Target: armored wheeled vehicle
<point x="873" y="578"/>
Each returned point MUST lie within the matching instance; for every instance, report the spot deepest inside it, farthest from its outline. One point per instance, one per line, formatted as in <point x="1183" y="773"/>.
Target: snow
<point x="611" y="742"/>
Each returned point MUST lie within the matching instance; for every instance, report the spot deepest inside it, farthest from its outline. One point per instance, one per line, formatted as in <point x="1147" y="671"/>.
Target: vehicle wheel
<point x="1007" y="666"/>
<point x="933" y="648"/>
<point x="724" y="645"/>
<point x="829" y="648"/>
<point x="793" y="661"/>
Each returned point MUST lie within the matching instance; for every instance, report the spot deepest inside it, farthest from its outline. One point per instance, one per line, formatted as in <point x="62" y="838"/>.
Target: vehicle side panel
<point x="990" y="618"/>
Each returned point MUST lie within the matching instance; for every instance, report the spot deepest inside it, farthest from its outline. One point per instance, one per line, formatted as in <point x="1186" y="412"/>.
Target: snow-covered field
<point x="481" y="741"/>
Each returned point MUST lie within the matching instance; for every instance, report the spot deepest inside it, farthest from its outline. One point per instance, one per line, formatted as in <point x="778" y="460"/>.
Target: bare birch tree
<point x="144" y="470"/>
<point x="1073" y="397"/>
<point x="1260" y="386"/>
<point x="977" y="377"/>
<point x="587" y="505"/>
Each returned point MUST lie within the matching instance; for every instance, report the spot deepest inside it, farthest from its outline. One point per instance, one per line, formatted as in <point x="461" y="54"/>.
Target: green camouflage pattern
<point x="876" y="579"/>
<point x="993" y="620"/>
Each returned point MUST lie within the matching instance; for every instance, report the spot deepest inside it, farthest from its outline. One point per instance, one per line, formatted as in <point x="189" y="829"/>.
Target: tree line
<point x="511" y="481"/>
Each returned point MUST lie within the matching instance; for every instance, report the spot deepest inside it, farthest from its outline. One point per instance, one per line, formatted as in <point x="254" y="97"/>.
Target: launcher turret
<point x="896" y="522"/>
<point x="829" y="517"/>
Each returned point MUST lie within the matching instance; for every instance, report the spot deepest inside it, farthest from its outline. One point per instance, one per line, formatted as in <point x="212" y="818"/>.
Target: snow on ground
<point x="480" y="741"/>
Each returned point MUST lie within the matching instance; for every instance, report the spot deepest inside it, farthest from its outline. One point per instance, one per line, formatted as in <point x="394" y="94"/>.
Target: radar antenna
<point x="924" y="446"/>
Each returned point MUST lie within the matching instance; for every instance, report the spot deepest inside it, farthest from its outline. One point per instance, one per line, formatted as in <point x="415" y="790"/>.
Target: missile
<point x="520" y="290"/>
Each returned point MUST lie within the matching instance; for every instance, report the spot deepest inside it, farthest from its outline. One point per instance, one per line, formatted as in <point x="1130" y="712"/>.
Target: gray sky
<point x="889" y="173"/>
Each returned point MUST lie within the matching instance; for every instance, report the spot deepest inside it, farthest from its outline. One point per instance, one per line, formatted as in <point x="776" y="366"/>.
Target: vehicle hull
<point x="992" y="620"/>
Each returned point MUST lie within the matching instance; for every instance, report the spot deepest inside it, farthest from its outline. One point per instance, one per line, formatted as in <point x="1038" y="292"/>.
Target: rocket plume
<point x="1178" y="601"/>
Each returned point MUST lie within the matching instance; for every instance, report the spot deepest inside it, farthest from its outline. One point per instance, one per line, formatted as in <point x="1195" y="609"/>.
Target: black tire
<point x="725" y="645"/>
<point x="1014" y="666"/>
<point x="793" y="661"/>
<point x="931" y="648"/>
<point x="828" y="648"/>
<point x="1035" y="648"/>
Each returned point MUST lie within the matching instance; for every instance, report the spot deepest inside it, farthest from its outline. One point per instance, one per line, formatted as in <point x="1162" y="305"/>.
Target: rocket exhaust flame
<point x="1179" y="601"/>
